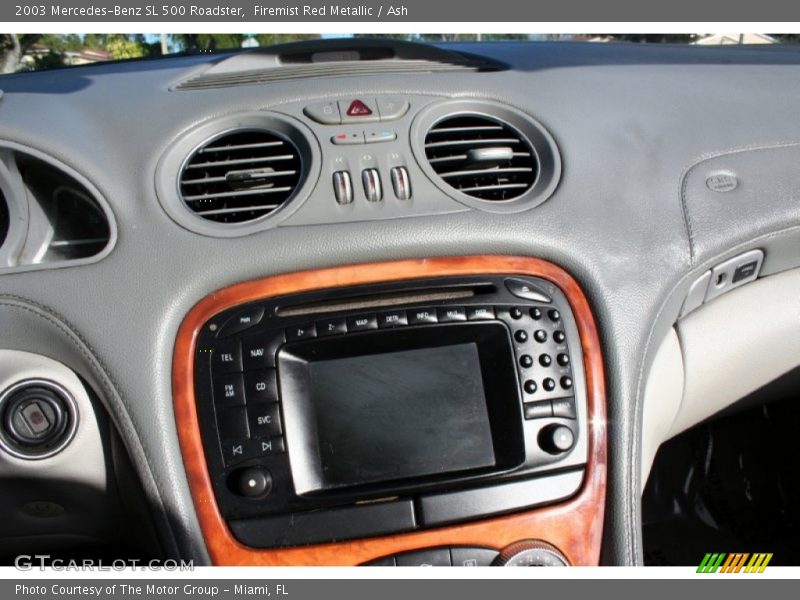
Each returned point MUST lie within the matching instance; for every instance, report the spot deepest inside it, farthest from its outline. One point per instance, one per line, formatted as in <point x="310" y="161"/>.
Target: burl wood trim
<point x="574" y="526"/>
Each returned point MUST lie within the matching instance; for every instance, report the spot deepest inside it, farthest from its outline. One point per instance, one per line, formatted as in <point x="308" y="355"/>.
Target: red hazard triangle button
<point x="358" y="109"/>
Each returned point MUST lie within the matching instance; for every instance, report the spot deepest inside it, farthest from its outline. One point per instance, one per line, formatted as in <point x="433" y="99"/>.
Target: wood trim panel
<point x="574" y="526"/>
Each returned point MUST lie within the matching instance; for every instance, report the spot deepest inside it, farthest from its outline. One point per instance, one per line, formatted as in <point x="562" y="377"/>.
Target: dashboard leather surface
<point x="627" y="120"/>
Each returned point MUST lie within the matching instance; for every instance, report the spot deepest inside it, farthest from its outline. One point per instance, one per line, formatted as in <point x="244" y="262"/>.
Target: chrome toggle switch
<point x="343" y="187"/>
<point x="401" y="183"/>
<point x="372" y="185"/>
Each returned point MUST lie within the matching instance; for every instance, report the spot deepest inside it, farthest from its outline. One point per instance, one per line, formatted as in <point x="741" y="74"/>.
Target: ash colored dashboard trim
<point x="22" y="212"/>
<point x="171" y="165"/>
<point x="575" y="526"/>
<point x="542" y="144"/>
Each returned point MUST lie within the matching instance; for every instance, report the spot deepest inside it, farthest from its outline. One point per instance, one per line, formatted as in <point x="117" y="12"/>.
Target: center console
<point x="364" y="407"/>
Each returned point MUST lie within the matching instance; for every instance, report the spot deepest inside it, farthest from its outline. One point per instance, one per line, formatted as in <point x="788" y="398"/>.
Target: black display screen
<point x="399" y="415"/>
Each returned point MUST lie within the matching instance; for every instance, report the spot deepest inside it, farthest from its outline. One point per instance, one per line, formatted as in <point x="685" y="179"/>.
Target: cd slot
<point x="371" y="301"/>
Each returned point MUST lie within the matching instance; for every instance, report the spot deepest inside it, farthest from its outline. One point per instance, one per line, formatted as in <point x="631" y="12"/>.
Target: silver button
<point x="372" y="185"/>
<point x="342" y="187"/>
<point x="401" y="183"/>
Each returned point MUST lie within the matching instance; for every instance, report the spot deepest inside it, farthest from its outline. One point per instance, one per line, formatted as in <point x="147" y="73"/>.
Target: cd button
<point x="261" y="386"/>
<point x="422" y="316"/>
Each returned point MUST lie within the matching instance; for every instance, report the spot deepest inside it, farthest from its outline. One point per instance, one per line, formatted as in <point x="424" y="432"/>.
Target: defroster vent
<point x="482" y="157"/>
<point x="241" y="176"/>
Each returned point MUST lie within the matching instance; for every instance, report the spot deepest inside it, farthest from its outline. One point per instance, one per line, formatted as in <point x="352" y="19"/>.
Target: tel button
<point x="227" y="357"/>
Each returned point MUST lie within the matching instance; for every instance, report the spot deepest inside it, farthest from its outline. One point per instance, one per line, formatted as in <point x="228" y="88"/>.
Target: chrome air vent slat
<point x="481" y="157"/>
<point x="240" y="169"/>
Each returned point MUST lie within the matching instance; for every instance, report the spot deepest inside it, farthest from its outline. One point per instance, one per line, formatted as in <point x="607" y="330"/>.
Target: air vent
<point x="241" y="176"/>
<point x="482" y="157"/>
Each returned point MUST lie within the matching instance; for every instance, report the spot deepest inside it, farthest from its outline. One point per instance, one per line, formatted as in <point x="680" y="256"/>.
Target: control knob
<point x="531" y="553"/>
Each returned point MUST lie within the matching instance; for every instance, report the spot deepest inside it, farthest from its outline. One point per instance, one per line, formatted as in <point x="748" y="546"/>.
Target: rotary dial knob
<point x="531" y="553"/>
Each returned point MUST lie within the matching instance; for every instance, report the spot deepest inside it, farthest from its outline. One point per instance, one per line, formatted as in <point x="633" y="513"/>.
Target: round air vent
<point x="241" y="176"/>
<point x="481" y="157"/>
<point x="486" y="155"/>
<point x="238" y="174"/>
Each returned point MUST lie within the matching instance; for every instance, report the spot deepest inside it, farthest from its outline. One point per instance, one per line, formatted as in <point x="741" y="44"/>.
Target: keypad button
<point x="540" y="335"/>
<point x="261" y="386"/>
<point x="521" y="336"/>
<point x="535" y="313"/>
<point x="301" y="332"/>
<point x="228" y="390"/>
<point x="452" y="314"/>
<point x="422" y="316"/>
<point x="480" y="313"/>
<point x="515" y="313"/>
<point x="530" y="386"/>
<point x="241" y="321"/>
<point x="264" y="419"/>
<point x="362" y="323"/>
<point x="392" y="318"/>
<point x="563" y="359"/>
<point x="538" y="410"/>
<point x="331" y="327"/>
<point x="564" y="408"/>
<point x="526" y="361"/>
<point x="267" y="447"/>
<point x="227" y="357"/>
<point x="553" y="314"/>
<point x="566" y="382"/>
<point x="256" y="353"/>
<point x="549" y="384"/>
<point x="545" y="360"/>
<point x="559" y="337"/>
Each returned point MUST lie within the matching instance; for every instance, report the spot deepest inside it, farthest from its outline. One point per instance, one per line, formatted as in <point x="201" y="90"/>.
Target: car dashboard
<point x="354" y="302"/>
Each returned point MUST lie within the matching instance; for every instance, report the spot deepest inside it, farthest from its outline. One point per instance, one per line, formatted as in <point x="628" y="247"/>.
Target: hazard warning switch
<point x="358" y="110"/>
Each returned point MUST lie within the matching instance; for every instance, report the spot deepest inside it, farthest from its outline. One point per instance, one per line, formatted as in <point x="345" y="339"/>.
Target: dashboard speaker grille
<point x="482" y="157"/>
<point x="240" y="176"/>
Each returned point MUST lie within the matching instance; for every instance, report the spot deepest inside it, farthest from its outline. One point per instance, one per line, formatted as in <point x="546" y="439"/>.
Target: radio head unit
<point x="377" y="409"/>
